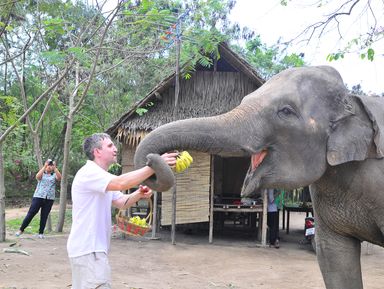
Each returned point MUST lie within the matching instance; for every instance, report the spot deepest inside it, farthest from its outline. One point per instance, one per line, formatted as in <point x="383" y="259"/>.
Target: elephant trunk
<point x="214" y="135"/>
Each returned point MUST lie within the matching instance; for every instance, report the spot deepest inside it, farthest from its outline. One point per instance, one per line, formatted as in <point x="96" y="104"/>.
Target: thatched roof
<point x="207" y="93"/>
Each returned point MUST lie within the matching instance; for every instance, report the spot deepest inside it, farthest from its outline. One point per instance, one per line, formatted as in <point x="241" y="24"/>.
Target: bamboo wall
<point x="127" y="154"/>
<point x="192" y="193"/>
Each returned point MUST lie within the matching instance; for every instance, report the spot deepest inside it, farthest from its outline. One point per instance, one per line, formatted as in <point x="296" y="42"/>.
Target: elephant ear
<point x="357" y="135"/>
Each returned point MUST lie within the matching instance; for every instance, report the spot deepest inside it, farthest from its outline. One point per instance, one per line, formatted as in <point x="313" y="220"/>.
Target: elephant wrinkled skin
<point x="302" y="127"/>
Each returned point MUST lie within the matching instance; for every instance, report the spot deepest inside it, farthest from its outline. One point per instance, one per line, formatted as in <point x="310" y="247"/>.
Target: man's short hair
<point x="93" y="142"/>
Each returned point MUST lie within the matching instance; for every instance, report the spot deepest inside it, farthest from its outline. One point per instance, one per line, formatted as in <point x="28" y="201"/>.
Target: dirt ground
<point x="234" y="260"/>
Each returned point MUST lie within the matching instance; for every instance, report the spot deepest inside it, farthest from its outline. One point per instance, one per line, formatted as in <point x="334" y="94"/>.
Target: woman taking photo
<point x="43" y="197"/>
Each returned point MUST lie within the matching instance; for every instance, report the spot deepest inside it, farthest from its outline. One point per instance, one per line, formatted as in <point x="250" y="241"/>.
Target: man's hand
<point x="170" y="158"/>
<point x="145" y="192"/>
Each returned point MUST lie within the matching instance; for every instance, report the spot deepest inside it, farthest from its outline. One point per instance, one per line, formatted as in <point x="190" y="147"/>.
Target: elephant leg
<point x="339" y="260"/>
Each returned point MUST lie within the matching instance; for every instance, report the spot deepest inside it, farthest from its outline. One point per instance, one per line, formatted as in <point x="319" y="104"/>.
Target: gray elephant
<point x="301" y="127"/>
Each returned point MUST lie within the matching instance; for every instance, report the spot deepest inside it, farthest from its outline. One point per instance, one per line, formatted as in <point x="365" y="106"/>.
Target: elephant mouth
<point x="252" y="181"/>
<point x="257" y="159"/>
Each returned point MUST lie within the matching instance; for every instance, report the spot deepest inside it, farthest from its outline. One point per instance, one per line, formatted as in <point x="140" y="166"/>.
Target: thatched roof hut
<point x="210" y="91"/>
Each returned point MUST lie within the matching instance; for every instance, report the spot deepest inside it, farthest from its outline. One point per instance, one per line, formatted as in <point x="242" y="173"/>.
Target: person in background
<point x="43" y="197"/>
<point x="273" y="220"/>
<point x="94" y="192"/>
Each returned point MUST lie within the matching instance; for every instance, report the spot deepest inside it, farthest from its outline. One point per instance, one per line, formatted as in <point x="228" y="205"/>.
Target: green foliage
<point x="54" y="26"/>
<point x="141" y="111"/>
<point x="367" y="52"/>
<point x="80" y="54"/>
<point x="10" y="110"/>
<point x="54" y="57"/>
<point x="335" y="56"/>
<point x="268" y="60"/>
<point x="18" y="159"/>
<point x="19" y="162"/>
<point x="371" y="54"/>
<point x="115" y="169"/>
<point x="293" y="60"/>
<point x="187" y="75"/>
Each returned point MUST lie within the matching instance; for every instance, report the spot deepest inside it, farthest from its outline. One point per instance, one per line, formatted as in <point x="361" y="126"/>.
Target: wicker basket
<point x="131" y="229"/>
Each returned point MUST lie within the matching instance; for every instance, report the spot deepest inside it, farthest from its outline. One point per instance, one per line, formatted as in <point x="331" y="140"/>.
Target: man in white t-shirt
<point x="94" y="191"/>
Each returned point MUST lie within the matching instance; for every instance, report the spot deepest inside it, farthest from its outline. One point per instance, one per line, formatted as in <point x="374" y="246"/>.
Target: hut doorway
<point x="229" y="174"/>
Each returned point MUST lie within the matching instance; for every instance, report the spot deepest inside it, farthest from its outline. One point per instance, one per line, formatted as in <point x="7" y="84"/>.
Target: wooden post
<point x="154" y="217"/>
<point x="173" y="231"/>
<point x="211" y="204"/>
<point x="264" y="226"/>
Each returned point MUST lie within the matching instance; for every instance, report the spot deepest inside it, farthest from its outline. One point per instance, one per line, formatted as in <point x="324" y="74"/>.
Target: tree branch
<point x="322" y="25"/>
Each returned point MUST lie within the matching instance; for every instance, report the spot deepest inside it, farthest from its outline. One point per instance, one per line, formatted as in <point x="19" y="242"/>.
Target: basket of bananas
<point x="183" y="161"/>
<point x="134" y="226"/>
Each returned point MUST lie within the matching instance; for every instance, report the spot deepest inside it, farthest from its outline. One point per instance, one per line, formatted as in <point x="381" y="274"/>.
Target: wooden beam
<point x="212" y="193"/>
<point x="173" y="231"/>
<point x="154" y="217"/>
<point x="264" y="226"/>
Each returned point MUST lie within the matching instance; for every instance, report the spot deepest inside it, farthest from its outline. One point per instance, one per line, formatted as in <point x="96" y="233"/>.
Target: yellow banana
<point x="188" y="157"/>
<point x="141" y="222"/>
<point x="182" y="165"/>
<point x="177" y="166"/>
<point x="183" y="161"/>
<point x="186" y="162"/>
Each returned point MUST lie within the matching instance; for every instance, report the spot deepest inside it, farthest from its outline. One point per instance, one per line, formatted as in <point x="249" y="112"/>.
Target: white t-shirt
<point x="91" y="211"/>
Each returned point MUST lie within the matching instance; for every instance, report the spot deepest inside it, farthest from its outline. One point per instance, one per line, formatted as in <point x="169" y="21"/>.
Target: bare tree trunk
<point x="67" y="146"/>
<point x="2" y="187"/>
<point x="5" y="78"/>
<point x="2" y="197"/>
<point x="64" y="175"/>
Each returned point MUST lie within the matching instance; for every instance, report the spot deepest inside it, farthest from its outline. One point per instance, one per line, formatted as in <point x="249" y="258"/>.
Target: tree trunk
<point x="2" y="197"/>
<point x="67" y="146"/>
<point x="64" y="175"/>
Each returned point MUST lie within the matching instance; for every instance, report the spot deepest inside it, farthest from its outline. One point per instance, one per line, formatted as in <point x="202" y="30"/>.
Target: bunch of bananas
<point x="141" y="222"/>
<point x="183" y="161"/>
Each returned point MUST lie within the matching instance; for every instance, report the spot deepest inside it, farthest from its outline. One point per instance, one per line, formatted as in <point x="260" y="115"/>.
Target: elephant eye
<point x="286" y="111"/>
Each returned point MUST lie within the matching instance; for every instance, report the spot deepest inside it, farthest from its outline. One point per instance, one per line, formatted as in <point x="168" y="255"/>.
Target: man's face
<point x="108" y="152"/>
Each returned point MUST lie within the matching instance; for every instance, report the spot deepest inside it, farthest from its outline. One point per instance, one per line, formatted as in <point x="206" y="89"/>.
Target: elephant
<point x="301" y="127"/>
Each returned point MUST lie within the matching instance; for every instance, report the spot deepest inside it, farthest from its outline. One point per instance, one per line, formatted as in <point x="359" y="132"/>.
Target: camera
<point x="50" y="162"/>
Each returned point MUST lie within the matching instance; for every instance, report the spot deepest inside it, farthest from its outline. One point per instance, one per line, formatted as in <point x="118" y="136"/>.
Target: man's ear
<point x="96" y="152"/>
<point x="356" y="135"/>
